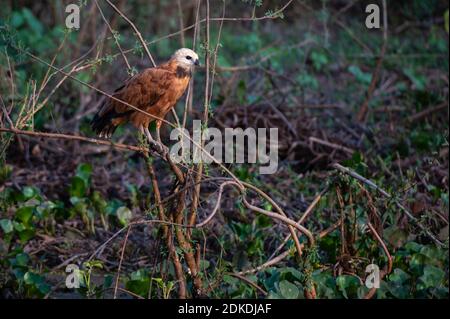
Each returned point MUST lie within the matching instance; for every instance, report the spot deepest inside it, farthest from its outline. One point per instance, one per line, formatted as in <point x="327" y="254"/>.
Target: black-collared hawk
<point x="154" y="90"/>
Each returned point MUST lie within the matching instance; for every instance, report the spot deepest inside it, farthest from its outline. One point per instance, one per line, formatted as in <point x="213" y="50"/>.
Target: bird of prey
<point x="154" y="90"/>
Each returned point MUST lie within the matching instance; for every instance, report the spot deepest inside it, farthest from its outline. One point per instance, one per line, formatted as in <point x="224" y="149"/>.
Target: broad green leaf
<point x="360" y="76"/>
<point x="347" y="284"/>
<point x="398" y="284"/>
<point x="33" y="22"/>
<point x="17" y="19"/>
<point x="288" y="290"/>
<point x="124" y="215"/>
<point x="107" y="281"/>
<point x="31" y="278"/>
<point x="204" y="264"/>
<point x="399" y="276"/>
<point x="292" y="274"/>
<point x="77" y="187"/>
<point x="24" y="214"/>
<point x="419" y="80"/>
<point x="319" y="59"/>
<point x="84" y="171"/>
<point x="6" y="225"/>
<point x="230" y="280"/>
<point x="274" y="295"/>
<point x="432" y="277"/>
<point x="43" y="288"/>
<point x="413" y="246"/>
<point x="29" y="192"/>
<point x="139" y="282"/>
<point x="19" y="226"/>
<point x="26" y="235"/>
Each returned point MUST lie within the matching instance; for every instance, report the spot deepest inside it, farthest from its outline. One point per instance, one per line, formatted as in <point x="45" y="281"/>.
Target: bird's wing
<point x="142" y="91"/>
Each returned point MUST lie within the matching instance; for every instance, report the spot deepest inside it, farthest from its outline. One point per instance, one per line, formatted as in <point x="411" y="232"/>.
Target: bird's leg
<point x="160" y="148"/>
<point x="146" y="132"/>
<point x="158" y="136"/>
<point x="149" y="136"/>
<point x="158" y="128"/>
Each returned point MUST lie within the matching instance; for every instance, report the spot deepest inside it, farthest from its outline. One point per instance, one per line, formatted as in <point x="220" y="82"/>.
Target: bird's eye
<point x="188" y="57"/>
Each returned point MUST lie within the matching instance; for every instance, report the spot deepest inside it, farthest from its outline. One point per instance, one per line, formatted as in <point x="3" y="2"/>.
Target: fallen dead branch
<point x="332" y="145"/>
<point x="420" y="115"/>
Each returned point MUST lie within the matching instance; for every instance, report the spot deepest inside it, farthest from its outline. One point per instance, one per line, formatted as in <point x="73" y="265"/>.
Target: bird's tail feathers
<point x="103" y="125"/>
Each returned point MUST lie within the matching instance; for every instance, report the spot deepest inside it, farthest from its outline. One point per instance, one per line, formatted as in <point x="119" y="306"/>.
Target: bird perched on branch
<point x="154" y="91"/>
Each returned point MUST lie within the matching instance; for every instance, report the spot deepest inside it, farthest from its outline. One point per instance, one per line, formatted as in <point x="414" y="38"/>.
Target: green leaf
<point x="36" y="281"/>
<point x="431" y="252"/>
<point x="113" y="206"/>
<point x="77" y="187"/>
<point x="288" y="290"/>
<point x="24" y="214"/>
<point x="17" y="19"/>
<point x="306" y="80"/>
<point x="44" y="209"/>
<point x="398" y="284"/>
<point x="204" y="264"/>
<point x="31" y="278"/>
<point x="6" y="225"/>
<point x="18" y="273"/>
<point x="264" y="221"/>
<point x="274" y="295"/>
<point x="29" y="192"/>
<point x="139" y="282"/>
<point x="26" y="235"/>
<point x="19" y="226"/>
<point x="347" y="284"/>
<point x="274" y="277"/>
<point x="325" y="283"/>
<point x="124" y="215"/>
<point x="84" y="171"/>
<point x="319" y="59"/>
<point x="399" y="276"/>
<point x="412" y="246"/>
<point x="93" y="264"/>
<point x="230" y="280"/>
<point x="22" y="259"/>
<point x="43" y="288"/>
<point x="140" y="287"/>
<point x="292" y="274"/>
<point x="107" y="281"/>
<point x="432" y="277"/>
<point x="34" y="24"/>
<point x="418" y="79"/>
<point x="360" y="76"/>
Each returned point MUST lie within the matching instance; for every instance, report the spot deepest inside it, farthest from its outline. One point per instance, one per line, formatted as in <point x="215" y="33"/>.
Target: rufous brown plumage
<point x="154" y="91"/>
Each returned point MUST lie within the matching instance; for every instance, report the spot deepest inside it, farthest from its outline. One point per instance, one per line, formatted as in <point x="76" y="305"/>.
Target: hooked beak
<point x="197" y="62"/>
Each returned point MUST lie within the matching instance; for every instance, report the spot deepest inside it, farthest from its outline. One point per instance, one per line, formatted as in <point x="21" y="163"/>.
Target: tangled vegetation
<point x="362" y="118"/>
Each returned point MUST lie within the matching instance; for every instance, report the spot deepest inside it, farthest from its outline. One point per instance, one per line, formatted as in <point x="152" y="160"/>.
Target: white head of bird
<point x="186" y="57"/>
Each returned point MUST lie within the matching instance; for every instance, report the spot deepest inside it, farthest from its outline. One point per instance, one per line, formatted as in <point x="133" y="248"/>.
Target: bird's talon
<point x="160" y="148"/>
<point x="164" y="149"/>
